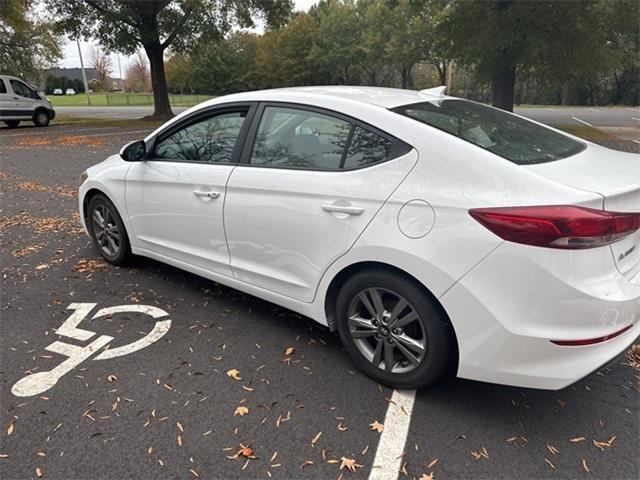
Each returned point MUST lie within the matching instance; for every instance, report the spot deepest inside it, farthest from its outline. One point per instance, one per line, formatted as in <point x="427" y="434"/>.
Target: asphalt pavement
<point x="235" y="387"/>
<point x="593" y="116"/>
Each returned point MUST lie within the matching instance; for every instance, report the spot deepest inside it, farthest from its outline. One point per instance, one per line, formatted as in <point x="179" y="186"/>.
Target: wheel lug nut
<point x="390" y="340"/>
<point x="378" y="335"/>
<point x="396" y="331"/>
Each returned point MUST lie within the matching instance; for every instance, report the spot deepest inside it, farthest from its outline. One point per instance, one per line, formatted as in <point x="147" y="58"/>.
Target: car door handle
<point x="200" y="193"/>
<point x="349" y="210"/>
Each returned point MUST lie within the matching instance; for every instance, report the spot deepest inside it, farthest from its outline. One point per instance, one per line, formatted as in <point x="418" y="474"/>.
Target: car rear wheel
<point x="12" y="123"/>
<point x="107" y="230"/>
<point x="393" y="330"/>
<point x="41" y="118"/>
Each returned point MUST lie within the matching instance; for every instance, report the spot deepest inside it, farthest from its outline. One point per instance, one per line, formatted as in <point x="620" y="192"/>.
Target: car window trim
<point x="400" y="146"/>
<point x="199" y="115"/>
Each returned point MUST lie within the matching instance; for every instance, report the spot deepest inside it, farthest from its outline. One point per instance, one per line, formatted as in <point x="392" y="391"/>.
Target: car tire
<point x="107" y="230"/>
<point x="41" y="118"/>
<point x="12" y="123"/>
<point x="394" y="334"/>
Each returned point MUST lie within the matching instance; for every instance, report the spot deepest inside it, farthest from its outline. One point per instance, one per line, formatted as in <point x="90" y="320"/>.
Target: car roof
<point x="380" y="96"/>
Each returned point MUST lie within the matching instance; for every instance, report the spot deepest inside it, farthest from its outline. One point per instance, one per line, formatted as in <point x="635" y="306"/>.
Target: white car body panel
<point x="506" y="301"/>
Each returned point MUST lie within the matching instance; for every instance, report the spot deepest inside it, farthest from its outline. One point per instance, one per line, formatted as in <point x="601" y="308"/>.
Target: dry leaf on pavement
<point x="241" y="411"/>
<point x="235" y="374"/>
<point x="289" y="351"/>
<point x="377" y="426"/>
<point x="426" y="477"/>
<point x="350" y="464"/>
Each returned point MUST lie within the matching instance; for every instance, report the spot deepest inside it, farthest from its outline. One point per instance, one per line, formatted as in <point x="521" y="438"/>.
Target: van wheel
<point x="12" y="123"/>
<point x="41" y="118"/>
<point x="392" y="330"/>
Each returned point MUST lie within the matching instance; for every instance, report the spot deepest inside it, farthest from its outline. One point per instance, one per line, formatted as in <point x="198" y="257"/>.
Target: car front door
<point x="175" y="198"/>
<point x="308" y="184"/>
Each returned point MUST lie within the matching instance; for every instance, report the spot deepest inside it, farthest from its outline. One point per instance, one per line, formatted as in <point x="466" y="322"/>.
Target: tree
<point x="179" y="70"/>
<point x="225" y="65"/>
<point x="137" y="77"/>
<point x="100" y="61"/>
<point x="334" y="53"/>
<point x="127" y="25"/>
<point x="27" y="43"/>
<point x="282" y="56"/>
<point x="501" y="37"/>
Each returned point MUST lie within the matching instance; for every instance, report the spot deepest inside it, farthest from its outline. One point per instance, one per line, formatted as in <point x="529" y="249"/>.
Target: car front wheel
<point x="107" y="230"/>
<point x="393" y="330"/>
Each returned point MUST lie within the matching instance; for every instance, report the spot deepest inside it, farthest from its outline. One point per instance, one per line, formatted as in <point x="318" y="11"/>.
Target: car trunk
<point x="612" y="174"/>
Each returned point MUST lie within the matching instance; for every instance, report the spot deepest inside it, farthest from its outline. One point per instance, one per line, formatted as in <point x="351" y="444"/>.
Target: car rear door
<point x="175" y="198"/>
<point x="308" y="184"/>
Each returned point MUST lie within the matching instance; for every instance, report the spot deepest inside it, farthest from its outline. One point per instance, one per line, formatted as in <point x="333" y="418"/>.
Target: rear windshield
<point x="518" y="140"/>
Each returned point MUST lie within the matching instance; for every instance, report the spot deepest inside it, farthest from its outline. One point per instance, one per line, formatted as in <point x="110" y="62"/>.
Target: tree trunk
<point x="161" y="106"/>
<point x="503" y="86"/>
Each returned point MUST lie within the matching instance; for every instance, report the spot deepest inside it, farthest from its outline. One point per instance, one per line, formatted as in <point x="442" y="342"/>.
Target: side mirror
<point x="134" y="151"/>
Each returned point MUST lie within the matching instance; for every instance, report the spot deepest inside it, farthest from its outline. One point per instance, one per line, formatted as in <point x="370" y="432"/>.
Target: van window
<point x="3" y="87"/>
<point x="23" y="90"/>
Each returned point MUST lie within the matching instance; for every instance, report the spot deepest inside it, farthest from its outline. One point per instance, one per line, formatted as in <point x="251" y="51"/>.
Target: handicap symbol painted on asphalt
<point x="37" y="383"/>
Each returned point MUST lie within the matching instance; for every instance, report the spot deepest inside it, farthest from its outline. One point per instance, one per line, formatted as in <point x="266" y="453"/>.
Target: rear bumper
<point x="508" y="308"/>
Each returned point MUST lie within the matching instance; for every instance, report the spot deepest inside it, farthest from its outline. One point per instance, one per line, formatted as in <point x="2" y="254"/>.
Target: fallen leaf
<point x="306" y="463"/>
<point x="550" y="464"/>
<point x="315" y="439"/>
<point x="111" y="378"/>
<point x="10" y="428"/>
<point x="584" y="465"/>
<point x="577" y="439"/>
<point x="432" y="463"/>
<point x="426" y="477"/>
<point x="39" y="472"/>
<point x="289" y="351"/>
<point x="403" y="469"/>
<point x="602" y="444"/>
<point x="377" y="426"/>
<point x="233" y="373"/>
<point x="241" y="411"/>
<point x="350" y="464"/>
<point x="194" y="473"/>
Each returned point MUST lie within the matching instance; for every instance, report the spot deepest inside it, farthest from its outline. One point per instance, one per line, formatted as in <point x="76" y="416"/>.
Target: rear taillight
<point x="557" y="226"/>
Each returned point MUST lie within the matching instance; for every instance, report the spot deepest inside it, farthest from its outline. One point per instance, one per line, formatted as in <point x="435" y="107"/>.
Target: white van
<point x="18" y="101"/>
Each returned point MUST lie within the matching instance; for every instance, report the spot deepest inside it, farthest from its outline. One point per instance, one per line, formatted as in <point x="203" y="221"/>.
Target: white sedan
<point x="431" y="232"/>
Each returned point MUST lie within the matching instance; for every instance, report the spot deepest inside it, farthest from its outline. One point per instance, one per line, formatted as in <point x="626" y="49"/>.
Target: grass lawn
<point x="107" y="122"/>
<point x="122" y="100"/>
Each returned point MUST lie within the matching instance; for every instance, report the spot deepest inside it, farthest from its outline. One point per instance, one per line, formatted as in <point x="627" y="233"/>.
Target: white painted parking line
<point x="388" y="460"/>
<point x="582" y="121"/>
<point x="637" y="141"/>
<point x="635" y="118"/>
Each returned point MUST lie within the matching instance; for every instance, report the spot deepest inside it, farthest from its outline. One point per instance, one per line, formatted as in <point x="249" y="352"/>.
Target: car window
<point x="210" y="140"/>
<point x="22" y="90"/>
<point x="367" y="147"/>
<point x="291" y="137"/>
<point x="516" y="139"/>
<point x="3" y="87"/>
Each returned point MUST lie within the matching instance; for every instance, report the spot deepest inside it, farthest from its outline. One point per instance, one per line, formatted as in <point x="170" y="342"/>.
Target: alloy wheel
<point x="105" y="230"/>
<point x="387" y="330"/>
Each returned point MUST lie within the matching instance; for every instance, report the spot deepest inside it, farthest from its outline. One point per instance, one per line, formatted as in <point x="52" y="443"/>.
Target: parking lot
<point x="232" y="386"/>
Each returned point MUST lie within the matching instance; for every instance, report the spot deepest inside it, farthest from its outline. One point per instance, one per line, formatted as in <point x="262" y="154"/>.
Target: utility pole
<point x="121" y="77"/>
<point x="84" y="75"/>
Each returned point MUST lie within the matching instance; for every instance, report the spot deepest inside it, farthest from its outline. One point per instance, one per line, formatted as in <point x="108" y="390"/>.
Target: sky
<point x="71" y="58"/>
